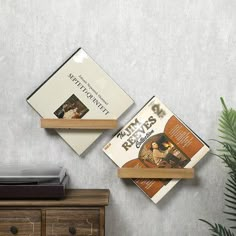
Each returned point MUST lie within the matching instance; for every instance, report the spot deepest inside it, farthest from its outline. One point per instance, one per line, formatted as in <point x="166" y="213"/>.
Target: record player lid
<point x="29" y="174"/>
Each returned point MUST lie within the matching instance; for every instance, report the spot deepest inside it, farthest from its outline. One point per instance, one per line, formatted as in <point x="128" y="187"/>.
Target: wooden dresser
<point x="82" y="212"/>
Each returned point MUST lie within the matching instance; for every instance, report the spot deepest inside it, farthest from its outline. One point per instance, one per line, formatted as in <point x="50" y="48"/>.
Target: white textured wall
<point x="182" y="51"/>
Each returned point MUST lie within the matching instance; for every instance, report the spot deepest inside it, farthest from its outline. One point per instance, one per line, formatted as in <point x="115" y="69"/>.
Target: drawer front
<point x="72" y="222"/>
<point x="20" y="223"/>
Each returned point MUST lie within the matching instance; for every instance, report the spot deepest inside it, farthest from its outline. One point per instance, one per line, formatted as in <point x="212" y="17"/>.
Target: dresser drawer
<point x="72" y="222"/>
<point x="20" y="223"/>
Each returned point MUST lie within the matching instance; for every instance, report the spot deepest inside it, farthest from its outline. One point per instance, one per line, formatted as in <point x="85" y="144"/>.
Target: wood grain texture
<point x="43" y="222"/>
<point x="78" y="124"/>
<point x="82" y="221"/>
<point x="152" y="173"/>
<point x="102" y="221"/>
<point x="82" y="212"/>
<point x="74" y="198"/>
<point x="27" y="223"/>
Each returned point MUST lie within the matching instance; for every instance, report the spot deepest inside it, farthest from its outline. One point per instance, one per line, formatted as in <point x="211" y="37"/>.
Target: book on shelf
<point x="156" y="138"/>
<point x="80" y="89"/>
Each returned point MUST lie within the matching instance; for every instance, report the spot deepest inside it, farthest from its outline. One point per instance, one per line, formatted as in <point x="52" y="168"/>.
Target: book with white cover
<point x="80" y="89"/>
<point x="156" y="138"/>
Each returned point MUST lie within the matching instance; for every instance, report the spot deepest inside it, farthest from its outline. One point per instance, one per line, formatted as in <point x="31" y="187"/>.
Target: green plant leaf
<point x="227" y="128"/>
<point x="227" y="153"/>
<point x="218" y="229"/>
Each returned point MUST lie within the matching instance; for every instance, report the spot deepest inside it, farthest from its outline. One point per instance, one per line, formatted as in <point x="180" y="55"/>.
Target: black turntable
<point x="40" y="182"/>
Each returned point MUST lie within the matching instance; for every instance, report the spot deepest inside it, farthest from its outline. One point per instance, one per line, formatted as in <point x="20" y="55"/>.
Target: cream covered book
<point x="80" y="89"/>
<point x="156" y="138"/>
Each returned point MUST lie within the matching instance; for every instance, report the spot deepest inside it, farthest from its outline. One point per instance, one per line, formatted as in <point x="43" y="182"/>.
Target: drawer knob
<point x="72" y="230"/>
<point x="14" y="230"/>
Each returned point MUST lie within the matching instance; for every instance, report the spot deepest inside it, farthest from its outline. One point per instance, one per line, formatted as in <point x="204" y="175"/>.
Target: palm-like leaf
<point x="227" y="123"/>
<point x="218" y="229"/>
<point x="227" y="128"/>
<point x="230" y="198"/>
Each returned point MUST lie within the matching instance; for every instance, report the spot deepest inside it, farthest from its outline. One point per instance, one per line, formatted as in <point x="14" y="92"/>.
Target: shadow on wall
<point x="196" y="182"/>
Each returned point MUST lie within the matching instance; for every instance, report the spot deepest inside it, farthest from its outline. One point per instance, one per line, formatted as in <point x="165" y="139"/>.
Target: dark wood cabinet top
<point x="74" y="198"/>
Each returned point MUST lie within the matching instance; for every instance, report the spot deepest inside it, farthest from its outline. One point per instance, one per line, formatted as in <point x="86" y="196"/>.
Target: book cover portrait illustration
<point x="72" y="108"/>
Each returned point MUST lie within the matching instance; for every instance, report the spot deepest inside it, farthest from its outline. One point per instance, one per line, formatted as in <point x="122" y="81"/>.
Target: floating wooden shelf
<point x="159" y="173"/>
<point x="78" y="124"/>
